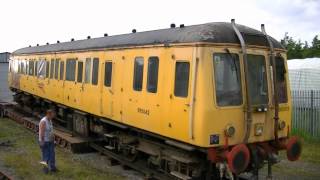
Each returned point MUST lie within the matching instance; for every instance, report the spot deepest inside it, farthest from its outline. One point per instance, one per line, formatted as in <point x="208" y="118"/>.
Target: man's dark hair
<point x="49" y="111"/>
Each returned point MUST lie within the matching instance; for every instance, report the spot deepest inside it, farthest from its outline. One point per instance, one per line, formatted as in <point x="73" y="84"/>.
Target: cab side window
<point x="181" y="81"/>
<point x="281" y="79"/>
<point x="138" y="74"/>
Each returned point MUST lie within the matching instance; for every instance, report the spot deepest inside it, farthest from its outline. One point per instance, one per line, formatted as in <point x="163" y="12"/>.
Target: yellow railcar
<point x="205" y="88"/>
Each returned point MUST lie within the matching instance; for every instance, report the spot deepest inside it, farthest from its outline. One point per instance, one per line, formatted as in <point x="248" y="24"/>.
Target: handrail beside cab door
<point x="248" y="106"/>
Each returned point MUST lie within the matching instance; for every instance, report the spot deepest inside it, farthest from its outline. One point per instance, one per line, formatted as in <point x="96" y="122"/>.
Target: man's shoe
<point x="54" y="170"/>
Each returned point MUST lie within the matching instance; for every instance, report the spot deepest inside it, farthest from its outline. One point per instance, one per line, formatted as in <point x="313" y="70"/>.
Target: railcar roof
<point x="217" y="32"/>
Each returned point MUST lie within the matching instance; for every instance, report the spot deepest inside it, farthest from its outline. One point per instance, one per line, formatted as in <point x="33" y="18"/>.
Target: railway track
<point x="75" y="144"/>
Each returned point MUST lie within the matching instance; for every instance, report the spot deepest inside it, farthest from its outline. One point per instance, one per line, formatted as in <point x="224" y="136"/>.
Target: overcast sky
<point x="31" y="22"/>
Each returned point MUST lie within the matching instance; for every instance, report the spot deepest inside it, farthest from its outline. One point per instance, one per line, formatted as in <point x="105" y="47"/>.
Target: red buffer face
<point x="294" y="148"/>
<point x="238" y="158"/>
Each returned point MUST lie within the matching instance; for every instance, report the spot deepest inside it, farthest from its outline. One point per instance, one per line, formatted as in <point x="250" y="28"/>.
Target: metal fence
<point x="306" y="111"/>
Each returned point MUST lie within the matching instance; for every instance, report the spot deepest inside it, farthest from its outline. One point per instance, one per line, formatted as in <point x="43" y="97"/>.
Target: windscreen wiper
<point x="234" y="61"/>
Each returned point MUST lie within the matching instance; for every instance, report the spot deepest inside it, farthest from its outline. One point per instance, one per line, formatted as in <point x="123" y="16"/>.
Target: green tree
<point x="299" y="50"/>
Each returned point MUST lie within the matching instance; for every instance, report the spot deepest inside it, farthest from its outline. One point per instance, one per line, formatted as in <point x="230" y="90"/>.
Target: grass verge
<point x="24" y="156"/>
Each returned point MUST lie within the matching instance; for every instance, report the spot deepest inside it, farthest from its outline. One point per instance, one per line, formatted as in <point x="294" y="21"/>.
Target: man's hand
<point x="41" y="143"/>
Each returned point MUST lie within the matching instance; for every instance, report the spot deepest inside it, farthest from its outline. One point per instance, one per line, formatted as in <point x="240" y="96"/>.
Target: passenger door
<point x="107" y="89"/>
<point x="179" y="79"/>
<point x="60" y="70"/>
<point x="91" y="90"/>
<point x="69" y="95"/>
<point x="79" y="84"/>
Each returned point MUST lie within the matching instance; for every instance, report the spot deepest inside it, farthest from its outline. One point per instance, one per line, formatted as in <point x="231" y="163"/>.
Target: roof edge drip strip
<point x="248" y="109"/>
<point x="275" y="85"/>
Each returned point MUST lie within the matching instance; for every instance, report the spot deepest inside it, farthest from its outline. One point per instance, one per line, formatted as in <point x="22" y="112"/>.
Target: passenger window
<point x="27" y="67"/>
<point x="22" y="67"/>
<point x="31" y="67"/>
<point x="61" y="70"/>
<point x="19" y="66"/>
<point x="181" y="80"/>
<point x="51" y="68"/>
<point x="41" y="68"/>
<point x="47" y="68"/>
<point x="70" y="69"/>
<point x="138" y="74"/>
<point x="95" y="71"/>
<point x="152" y="79"/>
<point x="87" y="71"/>
<point x="227" y="79"/>
<point x="36" y="68"/>
<point x="80" y="71"/>
<point x="107" y="73"/>
<point x="56" y="69"/>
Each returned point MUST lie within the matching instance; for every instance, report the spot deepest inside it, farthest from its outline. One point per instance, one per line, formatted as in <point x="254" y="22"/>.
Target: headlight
<point x="230" y="131"/>
<point x="281" y="125"/>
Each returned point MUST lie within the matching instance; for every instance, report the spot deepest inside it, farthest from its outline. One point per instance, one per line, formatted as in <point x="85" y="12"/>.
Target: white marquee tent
<point x="304" y="74"/>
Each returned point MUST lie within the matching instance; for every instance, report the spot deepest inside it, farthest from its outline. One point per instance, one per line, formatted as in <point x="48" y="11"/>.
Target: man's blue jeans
<point x="48" y="154"/>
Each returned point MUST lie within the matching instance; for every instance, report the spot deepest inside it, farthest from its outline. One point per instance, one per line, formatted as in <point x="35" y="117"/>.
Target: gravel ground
<point x="100" y="162"/>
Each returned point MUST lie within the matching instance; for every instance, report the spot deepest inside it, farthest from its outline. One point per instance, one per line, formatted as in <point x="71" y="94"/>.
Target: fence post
<point x="312" y="112"/>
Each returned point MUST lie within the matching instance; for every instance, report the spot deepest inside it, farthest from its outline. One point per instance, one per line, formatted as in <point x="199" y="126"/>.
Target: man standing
<point x="46" y="141"/>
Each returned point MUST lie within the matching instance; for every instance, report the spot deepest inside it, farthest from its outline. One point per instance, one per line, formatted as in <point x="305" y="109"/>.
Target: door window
<point x="181" y="82"/>
<point x="87" y="77"/>
<point x="95" y="71"/>
<point x="138" y="74"/>
<point x="80" y="72"/>
<point x="108" y="74"/>
<point x="152" y="79"/>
